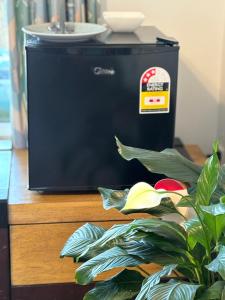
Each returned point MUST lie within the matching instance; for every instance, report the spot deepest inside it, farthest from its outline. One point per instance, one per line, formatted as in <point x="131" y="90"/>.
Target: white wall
<point x="221" y="119"/>
<point x="198" y="25"/>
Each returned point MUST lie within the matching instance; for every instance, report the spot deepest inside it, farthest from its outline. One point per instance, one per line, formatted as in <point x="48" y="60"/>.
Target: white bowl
<point x="123" y="21"/>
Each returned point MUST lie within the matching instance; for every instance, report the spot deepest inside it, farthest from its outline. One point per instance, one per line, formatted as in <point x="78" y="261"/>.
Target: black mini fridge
<point x="83" y="94"/>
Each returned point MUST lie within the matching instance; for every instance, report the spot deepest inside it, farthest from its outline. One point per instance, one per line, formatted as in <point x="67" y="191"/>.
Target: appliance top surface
<point x="145" y="35"/>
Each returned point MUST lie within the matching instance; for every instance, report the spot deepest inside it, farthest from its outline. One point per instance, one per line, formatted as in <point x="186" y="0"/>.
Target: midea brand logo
<point x="101" y="71"/>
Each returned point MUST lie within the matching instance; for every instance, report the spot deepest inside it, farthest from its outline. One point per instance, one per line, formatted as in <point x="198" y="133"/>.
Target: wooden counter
<point x="39" y="225"/>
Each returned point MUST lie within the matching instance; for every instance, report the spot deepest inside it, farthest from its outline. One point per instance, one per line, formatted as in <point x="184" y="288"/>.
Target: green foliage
<point x="165" y="229"/>
<point x="81" y="239"/>
<point x="173" y="291"/>
<point x="221" y="179"/>
<point x="113" y="198"/>
<point x="192" y="254"/>
<point x="208" y="180"/>
<point x="218" y="264"/>
<point x="214" y="218"/>
<point x="153" y="280"/>
<point x="195" y="233"/>
<point x="123" y="286"/>
<point x="166" y="207"/>
<point x="214" y="292"/>
<point x="109" y="259"/>
<point x="168" y="162"/>
<point x="117" y="199"/>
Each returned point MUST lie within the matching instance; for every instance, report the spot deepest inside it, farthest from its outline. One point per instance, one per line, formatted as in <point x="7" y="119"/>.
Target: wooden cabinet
<point x="39" y="225"/>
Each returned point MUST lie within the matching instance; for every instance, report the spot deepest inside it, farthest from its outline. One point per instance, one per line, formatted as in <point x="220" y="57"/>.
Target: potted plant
<point x="192" y="253"/>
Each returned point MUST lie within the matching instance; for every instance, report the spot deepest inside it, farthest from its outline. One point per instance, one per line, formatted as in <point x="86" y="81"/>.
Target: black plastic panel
<point x="74" y="115"/>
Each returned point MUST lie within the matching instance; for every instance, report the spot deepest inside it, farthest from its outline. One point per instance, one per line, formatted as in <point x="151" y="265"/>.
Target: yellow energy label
<point x="154" y="91"/>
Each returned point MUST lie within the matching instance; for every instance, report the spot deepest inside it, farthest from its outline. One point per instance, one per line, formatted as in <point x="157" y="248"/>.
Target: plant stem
<point x="213" y="277"/>
<point x="197" y="268"/>
<point x="207" y="248"/>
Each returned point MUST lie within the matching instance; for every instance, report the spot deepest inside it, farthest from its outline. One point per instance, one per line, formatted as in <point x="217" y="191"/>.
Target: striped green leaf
<point x="153" y="280"/>
<point x="173" y="291"/>
<point x="208" y="180"/>
<point x="113" y="198"/>
<point x="112" y="258"/>
<point x="81" y="239"/>
<point x="123" y="286"/>
<point x="166" y="229"/>
<point x="110" y="238"/>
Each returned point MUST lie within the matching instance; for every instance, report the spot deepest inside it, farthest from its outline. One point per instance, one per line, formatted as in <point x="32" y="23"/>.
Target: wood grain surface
<point x="196" y="154"/>
<point x="35" y="254"/>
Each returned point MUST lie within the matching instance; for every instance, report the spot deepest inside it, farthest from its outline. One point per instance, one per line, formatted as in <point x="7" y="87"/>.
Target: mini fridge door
<point x="78" y="101"/>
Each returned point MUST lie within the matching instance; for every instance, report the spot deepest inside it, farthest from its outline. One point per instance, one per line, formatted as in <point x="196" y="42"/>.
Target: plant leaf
<point x="81" y="239"/>
<point x="164" y="258"/>
<point x="215" y="209"/>
<point x="112" y="258"/>
<point x="163" y="243"/>
<point x="152" y="280"/>
<point x="185" y="202"/>
<point x="166" y="229"/>
<point x="168" y="162"/>
<point x="146" y="241"/>
<point x="195" y="233"/>
<point x="223" y="295"/>
<point x="117" y="234"/>
<point x="208" y="180"/>
<point x="218" y="264"/>
<point x="217" y="195"/>
<point x="214" y="292"/>
<point x="221" y="180"/>
<point x="214" y="218"/>
<point x="123" y="286"/>
<point x="107" y="240"/>
<point x="148" y="251"/>
<point x="173" y="291"/>
<point x="113" y="198"/>
<point x="166" y="207"/>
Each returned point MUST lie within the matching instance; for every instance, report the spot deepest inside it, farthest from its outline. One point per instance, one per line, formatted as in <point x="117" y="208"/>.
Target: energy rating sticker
<point x="154" y="91"/>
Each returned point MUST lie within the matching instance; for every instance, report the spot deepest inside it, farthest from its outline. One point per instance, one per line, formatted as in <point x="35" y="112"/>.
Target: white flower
<point x="143" y="196"/>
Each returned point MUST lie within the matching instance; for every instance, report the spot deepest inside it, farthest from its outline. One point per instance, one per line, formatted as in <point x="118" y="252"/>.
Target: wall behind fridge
<point x="199" y="27"/>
